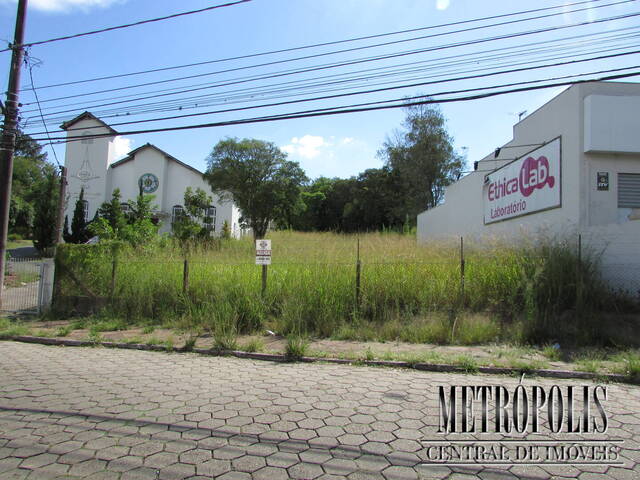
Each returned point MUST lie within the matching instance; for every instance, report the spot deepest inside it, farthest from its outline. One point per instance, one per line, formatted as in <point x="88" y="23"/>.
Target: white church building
<point x="91" y="166"/>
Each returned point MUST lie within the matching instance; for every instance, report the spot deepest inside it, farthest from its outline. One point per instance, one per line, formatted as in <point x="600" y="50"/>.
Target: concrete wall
<point x="600" y="130"/>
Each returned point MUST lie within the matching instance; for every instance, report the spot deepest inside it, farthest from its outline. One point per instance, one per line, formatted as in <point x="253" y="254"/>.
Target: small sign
<point x="603" y="181"/>
<point x="263" y="260"/>
<point x="263" y="252"/>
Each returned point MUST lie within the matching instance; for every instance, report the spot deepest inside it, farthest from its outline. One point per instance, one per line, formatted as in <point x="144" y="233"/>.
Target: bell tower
<point x="89" y="152"/>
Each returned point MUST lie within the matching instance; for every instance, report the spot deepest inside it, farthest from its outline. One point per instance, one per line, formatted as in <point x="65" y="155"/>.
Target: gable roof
<point x="86" y="116"/>
<point x="131" y="155"/>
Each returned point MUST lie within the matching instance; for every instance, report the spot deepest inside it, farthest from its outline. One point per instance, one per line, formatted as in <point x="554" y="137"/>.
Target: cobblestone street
<point x="98" y="413"/>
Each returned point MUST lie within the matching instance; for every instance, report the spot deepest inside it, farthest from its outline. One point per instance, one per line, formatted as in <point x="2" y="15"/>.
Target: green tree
<point x="110" y="220"/>
<point x="192" y="223"/>
<point x="423" y="157"/>
<point x="258" y="178"/>
<point x="46" y="212"/>
<point x="30" y="169"/>
<point x="79" y="231"/>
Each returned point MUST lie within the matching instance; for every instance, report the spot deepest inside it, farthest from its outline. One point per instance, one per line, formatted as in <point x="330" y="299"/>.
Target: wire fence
<point x="21" y="292"/>
<point x="374" y="288"/>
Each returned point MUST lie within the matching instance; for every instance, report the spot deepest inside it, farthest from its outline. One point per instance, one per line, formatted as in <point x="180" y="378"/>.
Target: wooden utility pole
<point x="9" y="131"/>
<point x="61" y="199"/>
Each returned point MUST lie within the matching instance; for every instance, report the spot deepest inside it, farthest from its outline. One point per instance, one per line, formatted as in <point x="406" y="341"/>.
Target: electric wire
<point x="340" y="110"/>
<point x="336" y="42"/>
<point x="127" y="25"/>
<point x="174" y="91"/>
<point x="358" y="61"/>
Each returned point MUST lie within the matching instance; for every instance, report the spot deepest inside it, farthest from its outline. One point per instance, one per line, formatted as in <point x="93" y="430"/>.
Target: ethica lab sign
<point x="527" y="185"/>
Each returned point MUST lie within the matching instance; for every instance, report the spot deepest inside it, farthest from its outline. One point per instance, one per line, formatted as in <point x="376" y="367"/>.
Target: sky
<point x="333" y="146"/>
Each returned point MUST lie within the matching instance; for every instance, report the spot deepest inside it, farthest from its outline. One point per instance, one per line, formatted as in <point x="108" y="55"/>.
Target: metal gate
<point x="28" y="285"/>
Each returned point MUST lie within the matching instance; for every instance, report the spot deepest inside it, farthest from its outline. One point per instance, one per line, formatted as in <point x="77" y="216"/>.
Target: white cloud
<point x="347" y="140"/>
<point x="442" y="4"/>
<point x="122" y="146"/>
<point x="66" y="5"/>
<point x="308" y="146"/>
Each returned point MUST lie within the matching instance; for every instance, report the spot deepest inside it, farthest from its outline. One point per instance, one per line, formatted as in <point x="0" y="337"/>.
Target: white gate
<point x="28" y="285"/>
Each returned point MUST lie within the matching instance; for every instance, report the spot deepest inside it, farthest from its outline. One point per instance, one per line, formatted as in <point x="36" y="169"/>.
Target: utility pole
<point x="9" y="130"/>
<point x="61" y="198"/>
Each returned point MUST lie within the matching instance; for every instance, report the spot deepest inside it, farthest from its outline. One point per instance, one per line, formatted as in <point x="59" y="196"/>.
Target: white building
<point x="573" y="167"/>
<point x="91" y="166"/>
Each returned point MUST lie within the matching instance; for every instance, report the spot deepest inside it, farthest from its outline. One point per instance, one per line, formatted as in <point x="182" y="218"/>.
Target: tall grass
<point x="409" y="292"/>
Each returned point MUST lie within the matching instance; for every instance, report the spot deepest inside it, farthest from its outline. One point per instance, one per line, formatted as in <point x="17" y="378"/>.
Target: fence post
<point x="358" y="274"/>
<point x="185" y="276"/>
<point x="579" y="276"/>
<point x="114" y="266"/>
<point x="264" y="280"/>
<point x="462" y="271"/>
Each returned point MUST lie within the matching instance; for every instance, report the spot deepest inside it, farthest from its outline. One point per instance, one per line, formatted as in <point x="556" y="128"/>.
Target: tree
<point x="46" y="211"/>
<point x="79" y="232"/>
<point x="30" y="170"/>
<point x="136" y="226"/>
<point x="192" y="223"/>
<point x="257" y="176"/>
<point x="423" y="157"/>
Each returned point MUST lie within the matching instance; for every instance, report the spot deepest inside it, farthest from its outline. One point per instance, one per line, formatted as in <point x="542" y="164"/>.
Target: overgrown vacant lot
<point x="538" y="292"/>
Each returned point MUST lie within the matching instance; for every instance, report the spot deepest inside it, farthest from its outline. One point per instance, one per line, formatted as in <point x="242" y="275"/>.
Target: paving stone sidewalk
<point x="98" y="413"/>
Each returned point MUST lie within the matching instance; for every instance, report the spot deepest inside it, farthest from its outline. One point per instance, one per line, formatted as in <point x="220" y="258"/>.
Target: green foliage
<point x="253" y="345"/>
<point x="191" y="225"/>
<point x="137" y="227"/>
<point x="30" y="170"/>
<point x="259" y="179"/>
<point x="409" y="293"/>
<point x="226" y="230"/>
<point x="423" y="157"/>
<point x="79" y="231"/>
<point x="46" y="212"/>
<point x="296" y="347"/>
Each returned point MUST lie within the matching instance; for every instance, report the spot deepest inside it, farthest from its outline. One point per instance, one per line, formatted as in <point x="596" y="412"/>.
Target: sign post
<point x="263" y="257"/>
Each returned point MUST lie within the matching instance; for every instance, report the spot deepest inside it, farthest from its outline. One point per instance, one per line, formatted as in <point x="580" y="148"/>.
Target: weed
<point x="552" y="352"/>
<point x="468" y="363"/>
<point x="9" y="329"/>
<point x="63" y="331"/>
<point x="297" y="347"/>
<point x="253" y="345"/>
<point x="190" y="343"/>
<point x="148" y="329"/>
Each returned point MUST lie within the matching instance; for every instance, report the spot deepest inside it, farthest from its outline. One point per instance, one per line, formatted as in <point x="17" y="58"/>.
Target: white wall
<point x="98" y="155"/>
<point x="462" y="212"/>
<point x="174" y="179"/>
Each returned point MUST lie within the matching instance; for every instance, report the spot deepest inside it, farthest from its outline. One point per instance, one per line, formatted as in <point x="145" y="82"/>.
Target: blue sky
<point x="341" y="145"/>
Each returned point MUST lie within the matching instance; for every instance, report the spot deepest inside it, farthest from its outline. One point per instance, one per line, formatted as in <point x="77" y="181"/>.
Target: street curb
<point x="273" y="357"/>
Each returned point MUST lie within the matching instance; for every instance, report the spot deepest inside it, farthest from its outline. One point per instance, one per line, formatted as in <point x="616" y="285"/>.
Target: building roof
<point x="131" y="155"/>
<point x="86" y="116"/>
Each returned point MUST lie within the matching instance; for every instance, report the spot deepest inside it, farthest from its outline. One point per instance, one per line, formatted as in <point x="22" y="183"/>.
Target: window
<point x="87" y="138"/>
<point x="176" y="213"/>
<point x="125" y="208"/>
<point x="210" y="218"/>
<point x="629" y="190"/>
<point x="85" y="208"/>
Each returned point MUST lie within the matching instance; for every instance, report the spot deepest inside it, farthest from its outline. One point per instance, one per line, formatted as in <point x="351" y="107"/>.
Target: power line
<point x="336" y="42"/>
<point x="127" y="25"/>
<point x="380" y="57"/>
<point x="468" y="58"/>
<point x="182" y="103"/>
<point x="419" y="84"/>
<point x="343" y="109"/>
<point x="277" y="75"/>
<point x="450" y="92"/>
<point x="30" y="65"/>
